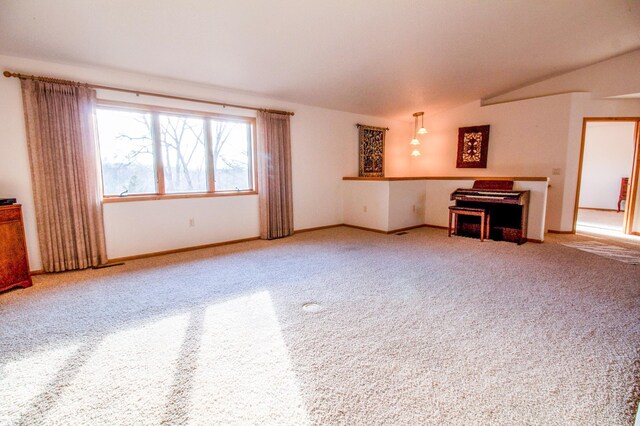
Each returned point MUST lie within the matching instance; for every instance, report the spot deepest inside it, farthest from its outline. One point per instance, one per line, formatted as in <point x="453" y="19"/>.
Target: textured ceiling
<point x="382" y="57"/>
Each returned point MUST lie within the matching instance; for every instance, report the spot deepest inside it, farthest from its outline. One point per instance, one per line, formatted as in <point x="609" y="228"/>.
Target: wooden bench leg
<point x="455" y="224"/>
<point x="483" y="215"/>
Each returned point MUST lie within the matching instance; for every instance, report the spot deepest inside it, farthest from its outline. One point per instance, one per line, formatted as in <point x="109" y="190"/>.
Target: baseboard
<point x="552" y="231"/>
<point x="599" y="209"/>
<point x="635" y="233"/>
<point x="534" y="240"/>
<point x="317" y="228"/>
<point x="191" y="248"/>
<point x="204" y="246"/>
<point x="383" y="232"/>
<point x="180" y="250"/>
<point x="406" y="229"/>
<point x="364" y="228"/>
<point x="436" y="226"/>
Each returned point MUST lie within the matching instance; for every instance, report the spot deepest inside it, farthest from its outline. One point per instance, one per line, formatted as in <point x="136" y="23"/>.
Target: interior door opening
<point x="608" y="165"/>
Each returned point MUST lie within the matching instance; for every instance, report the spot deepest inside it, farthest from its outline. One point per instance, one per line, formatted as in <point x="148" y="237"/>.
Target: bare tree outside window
<point x="131" y="151"/>
<point x="231" y="147"/>
<point x="126" y="151"/>
<point x="183" y="153"/>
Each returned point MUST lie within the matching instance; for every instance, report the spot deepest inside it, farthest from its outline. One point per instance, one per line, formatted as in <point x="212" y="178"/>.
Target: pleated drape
<point x="274" y="175"/>
<point x="65" y="173"/>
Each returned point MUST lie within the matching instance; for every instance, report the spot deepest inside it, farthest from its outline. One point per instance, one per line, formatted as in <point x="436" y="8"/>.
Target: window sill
<point x="155" y="197"/>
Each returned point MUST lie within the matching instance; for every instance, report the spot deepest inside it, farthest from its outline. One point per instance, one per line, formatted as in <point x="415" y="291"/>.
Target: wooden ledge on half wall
<point x="397" y="178"/>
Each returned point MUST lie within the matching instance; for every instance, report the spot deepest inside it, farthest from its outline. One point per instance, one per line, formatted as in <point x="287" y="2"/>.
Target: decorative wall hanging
<point x="371" y="150"/>
<point x="473" y="145"/>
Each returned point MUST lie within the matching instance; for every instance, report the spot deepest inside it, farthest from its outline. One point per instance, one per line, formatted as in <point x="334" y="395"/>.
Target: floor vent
<point x="311" y="307"/>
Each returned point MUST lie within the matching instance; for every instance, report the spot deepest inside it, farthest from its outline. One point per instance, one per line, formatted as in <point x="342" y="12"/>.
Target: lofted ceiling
<point x="379" y="57"/>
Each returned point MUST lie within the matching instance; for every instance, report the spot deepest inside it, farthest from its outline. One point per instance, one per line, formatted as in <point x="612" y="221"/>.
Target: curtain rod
<point x="9" y="74"/>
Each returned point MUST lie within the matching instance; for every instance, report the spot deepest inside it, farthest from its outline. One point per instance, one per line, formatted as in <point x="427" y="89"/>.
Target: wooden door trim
<point x="630" y="203"/>
<point x="635" y="169"/>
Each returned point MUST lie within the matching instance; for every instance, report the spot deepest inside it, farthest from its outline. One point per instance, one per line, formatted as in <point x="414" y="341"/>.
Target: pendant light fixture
<point x="415" y="140"/>
<point x="421" y="131"/>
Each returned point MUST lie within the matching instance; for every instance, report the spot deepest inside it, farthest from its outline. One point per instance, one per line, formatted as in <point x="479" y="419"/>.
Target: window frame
<point x="161" y="193"/>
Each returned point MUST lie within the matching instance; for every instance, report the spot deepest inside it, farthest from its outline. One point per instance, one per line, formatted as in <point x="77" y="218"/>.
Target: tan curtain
<point x="65" y="174"/>
<point x="274" y="175"/>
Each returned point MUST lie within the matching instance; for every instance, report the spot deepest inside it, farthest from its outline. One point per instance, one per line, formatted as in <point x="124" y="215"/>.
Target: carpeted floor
<point x="614" y="252"/>
<point x="412" y="329"/>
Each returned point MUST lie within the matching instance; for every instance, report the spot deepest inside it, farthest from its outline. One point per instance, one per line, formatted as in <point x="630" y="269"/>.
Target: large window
<point x="184" y="153"/>
<point x="154" y="152"/>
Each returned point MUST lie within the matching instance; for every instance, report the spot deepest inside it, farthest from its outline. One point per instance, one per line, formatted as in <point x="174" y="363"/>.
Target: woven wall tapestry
<point x="473" y="146"/>
<point x="371" y="151"/>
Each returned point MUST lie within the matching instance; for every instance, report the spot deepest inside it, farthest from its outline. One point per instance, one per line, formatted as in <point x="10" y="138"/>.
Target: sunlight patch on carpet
<point x="620" y="254"/>
<point x="244" y="372"/>
<point x="23" y="380"/>
<point x="606" y="233"/>
<point x="128" y="377"/>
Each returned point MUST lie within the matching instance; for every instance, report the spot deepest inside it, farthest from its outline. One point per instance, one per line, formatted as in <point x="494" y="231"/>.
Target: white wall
<point x="601" y="83"/>
<point x="537" y="130"/>
<point x="384" y="205"/>
<point x="324" y="149"/>
<point x="607" y="158"/>
<point x="532" y="137"/>
<point x="151" y="226"/>
<point x="527" y="138"/>
<point x="366" y="204"/>
<point x="407" y="203"/>
<point x="584" y="105"/>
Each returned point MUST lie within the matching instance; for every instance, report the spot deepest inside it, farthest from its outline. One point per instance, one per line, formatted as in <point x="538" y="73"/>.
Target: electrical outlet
<point x="414" y="208"/>
<point x="556" y="171"/>
<point x="364" y="209"/>
<point x="192" y="223"/>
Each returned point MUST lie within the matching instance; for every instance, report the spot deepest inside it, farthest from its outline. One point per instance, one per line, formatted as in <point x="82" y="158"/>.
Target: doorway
<point x="607" y="181"/>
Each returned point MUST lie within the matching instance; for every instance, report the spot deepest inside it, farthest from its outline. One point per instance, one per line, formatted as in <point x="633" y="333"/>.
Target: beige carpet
<point x="618" y="253"/>
<point x="412" y="329"/>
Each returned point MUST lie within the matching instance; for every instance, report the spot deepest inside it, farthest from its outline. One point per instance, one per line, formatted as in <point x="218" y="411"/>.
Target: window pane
<point x="231" y="155"/>
<point x="183" y="153"/>
<point x="126" y="151"/>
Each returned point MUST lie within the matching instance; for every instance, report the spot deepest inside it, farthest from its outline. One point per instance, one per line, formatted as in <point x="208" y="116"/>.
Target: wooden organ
<point x="508" y="209"/>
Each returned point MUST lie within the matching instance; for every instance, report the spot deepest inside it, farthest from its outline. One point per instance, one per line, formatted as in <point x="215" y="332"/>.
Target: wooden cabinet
<point x="14" y="264"/>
